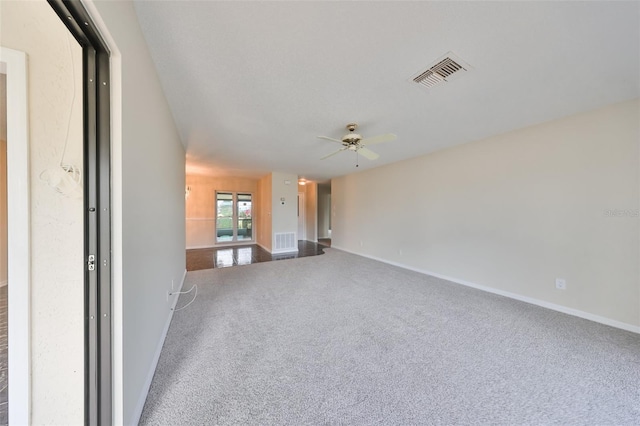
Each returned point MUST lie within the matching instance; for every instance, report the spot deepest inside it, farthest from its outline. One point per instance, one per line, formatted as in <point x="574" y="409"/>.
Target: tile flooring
<point x="325" y="241"/>
<point x="222" y="257"/>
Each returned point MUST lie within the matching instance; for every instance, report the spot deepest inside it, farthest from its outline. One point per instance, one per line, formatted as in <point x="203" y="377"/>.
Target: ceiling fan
<point x="354" y="142"/>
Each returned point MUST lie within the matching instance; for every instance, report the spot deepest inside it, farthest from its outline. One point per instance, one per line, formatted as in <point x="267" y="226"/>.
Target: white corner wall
<point x="149" y="230"/>
<point x="513" y="212"/>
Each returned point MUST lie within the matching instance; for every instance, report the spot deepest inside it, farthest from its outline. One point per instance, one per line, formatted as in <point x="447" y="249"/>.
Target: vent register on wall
<point x="284" y="241"/>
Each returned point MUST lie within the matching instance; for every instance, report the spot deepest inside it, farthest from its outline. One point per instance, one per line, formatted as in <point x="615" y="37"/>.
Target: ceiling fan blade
<point x="367" y="153"/>
<point x="334" y="153"/>
<point x="378" y="139"/>
<point x="330" y="139"/>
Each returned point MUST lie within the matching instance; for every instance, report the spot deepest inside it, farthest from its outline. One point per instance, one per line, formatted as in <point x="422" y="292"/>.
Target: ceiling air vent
<point x="445" y="69"/>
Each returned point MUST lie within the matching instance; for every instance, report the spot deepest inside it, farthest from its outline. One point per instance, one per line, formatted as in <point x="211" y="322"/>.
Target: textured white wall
<point x="514" y="212"/>
<point x="151" y="184"/>
<point x="57" y="344"/>
<point x="284" y="218"/>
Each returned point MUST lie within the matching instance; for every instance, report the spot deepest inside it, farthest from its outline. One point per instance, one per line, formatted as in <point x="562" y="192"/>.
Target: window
<point x="234" y="217"/>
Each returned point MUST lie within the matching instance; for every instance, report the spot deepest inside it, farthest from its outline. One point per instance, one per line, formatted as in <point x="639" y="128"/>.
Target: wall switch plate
<point x="561" y="284"/>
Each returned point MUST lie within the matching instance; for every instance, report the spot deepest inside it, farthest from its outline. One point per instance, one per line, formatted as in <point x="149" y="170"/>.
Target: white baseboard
<point x="199" y="247"/>
<point x="285" y="251"/>
<point x="542" y="303"/>
<point x="156" y="357"/>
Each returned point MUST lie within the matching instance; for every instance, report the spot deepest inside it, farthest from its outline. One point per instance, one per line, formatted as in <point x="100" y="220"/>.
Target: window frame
<point x="234" y="219"/>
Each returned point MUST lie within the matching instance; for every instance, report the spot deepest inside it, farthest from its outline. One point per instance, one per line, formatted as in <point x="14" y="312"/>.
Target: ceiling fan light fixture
<point x="351" y="138"/>
<point x="354" y="142"/>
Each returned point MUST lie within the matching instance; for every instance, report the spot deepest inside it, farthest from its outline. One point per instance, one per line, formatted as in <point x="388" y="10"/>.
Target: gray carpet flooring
<point x="340" y="339"/>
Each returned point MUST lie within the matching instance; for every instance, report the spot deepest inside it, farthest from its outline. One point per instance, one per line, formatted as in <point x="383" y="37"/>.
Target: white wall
<point x="284" y="217"/>
<point x="57" y="345"/>
<point x="149" y="178"/>
<point x="513" y="213"/>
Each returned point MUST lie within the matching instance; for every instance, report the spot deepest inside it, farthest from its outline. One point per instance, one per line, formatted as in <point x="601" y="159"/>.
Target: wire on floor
<point x="185" y="292"/>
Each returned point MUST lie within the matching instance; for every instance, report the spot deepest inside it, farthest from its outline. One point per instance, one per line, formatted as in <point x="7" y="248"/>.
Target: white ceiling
<point x="251" y="84"/>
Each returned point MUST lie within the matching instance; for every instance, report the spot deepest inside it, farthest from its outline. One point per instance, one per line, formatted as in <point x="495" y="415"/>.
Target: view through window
<point x="234" y="219"/>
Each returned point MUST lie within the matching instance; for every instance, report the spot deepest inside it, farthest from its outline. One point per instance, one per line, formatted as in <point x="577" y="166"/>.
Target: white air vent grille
<point x="284" y="242"/>
<point x="443" y="71"/>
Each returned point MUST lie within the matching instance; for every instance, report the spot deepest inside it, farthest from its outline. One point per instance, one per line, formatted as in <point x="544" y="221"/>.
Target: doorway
<point x="59" y="313"/>
<point x="302" y="235"/>
<point x="234" y="217"/>
<point x="95" y="200"/>
<point x="324" y="214"/>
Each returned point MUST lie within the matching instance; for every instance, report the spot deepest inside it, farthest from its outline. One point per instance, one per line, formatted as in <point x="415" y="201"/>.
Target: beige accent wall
<point x="57" y="342"/>
<point x="201" y="206"/>
<point x="514" y="212"/>
<point x="265" y="205"/>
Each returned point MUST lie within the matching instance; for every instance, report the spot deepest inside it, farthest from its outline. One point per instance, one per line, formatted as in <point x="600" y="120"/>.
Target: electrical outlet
<point x="172" y="285"/>
<point x="561" y="284"/>
<point x="400" y="252"/>
<point x="361" y="244"/>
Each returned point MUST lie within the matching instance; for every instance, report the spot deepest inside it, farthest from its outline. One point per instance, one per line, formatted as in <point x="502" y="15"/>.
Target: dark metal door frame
<point x="97" y="210"/>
